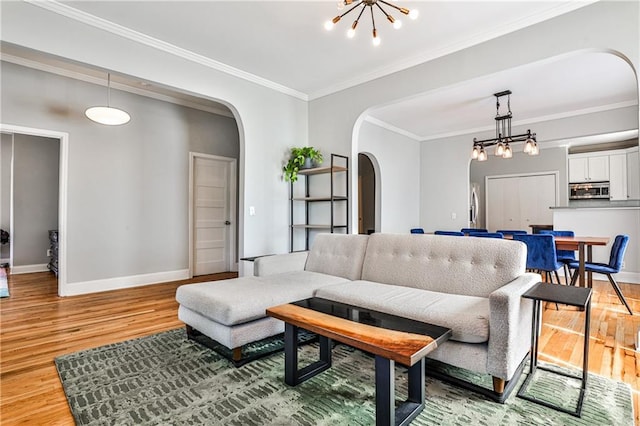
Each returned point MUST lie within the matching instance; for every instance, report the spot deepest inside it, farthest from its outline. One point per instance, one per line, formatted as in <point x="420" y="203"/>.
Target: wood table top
<point x="352" y="325"/>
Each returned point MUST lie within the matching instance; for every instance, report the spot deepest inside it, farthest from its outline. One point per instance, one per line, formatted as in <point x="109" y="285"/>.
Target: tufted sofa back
<point x="457" y="265"/>
<point x="340" y="255"/>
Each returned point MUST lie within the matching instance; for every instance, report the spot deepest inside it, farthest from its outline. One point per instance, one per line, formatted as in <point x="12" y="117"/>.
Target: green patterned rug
<point x="169" y="380"/>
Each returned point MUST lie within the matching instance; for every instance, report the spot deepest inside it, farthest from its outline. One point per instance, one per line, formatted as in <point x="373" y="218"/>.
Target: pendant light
<point x="106" y="114"/>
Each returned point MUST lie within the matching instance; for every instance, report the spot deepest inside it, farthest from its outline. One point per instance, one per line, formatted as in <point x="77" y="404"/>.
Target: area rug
<point x="167" y="379"/>
<point x="4" y="287"/>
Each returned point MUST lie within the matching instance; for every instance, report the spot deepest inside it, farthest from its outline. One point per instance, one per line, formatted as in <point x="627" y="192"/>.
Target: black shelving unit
<point x="339" y="164"/>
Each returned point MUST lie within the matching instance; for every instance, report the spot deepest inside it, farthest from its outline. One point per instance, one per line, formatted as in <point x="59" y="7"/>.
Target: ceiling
<point x="283" y="45"/>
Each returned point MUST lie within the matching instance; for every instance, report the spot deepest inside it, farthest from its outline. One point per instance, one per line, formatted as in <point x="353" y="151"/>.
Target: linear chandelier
<point x="362" y="5"/>
<point x="504" y="138"/>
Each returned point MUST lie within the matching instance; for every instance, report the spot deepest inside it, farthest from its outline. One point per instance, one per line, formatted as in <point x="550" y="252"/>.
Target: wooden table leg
<point x="582" y="282"/>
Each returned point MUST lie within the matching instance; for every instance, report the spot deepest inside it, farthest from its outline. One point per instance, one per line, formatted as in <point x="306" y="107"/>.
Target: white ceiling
<point x="283" y="44"/>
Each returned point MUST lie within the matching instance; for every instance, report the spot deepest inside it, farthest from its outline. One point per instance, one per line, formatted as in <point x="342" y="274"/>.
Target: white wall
<point x="398" y="158"/>
<point x="600" y="222"/>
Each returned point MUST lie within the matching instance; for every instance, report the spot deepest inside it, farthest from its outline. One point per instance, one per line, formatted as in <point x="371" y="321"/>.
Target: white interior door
<point x="211" y="216"/>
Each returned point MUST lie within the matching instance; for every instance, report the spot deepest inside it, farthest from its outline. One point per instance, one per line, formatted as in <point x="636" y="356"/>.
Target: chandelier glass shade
<point x="106" y="114"/>
<point x="503" y="140"/>
<point x="362" y="6"/>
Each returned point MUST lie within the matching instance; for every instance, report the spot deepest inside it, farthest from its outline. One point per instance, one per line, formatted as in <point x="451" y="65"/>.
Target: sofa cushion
<point x="240" y="300"/>
<point x="466" y="316"/>
<point x="455" y="265"/>
<point x="338" y="254"/>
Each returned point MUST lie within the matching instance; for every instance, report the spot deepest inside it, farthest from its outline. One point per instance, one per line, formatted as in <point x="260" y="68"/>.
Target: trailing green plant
<point x="297" y="161"/>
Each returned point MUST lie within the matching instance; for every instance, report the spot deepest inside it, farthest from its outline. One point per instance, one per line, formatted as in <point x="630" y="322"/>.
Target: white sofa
<point x="471" y="285"/>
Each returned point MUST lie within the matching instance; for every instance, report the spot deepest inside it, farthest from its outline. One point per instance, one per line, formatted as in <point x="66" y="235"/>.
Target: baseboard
<point x="29" y="269"/>
<point x="117" y="283"/>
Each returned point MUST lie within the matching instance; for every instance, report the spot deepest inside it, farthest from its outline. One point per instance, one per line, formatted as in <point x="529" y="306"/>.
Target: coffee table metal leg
<point x="290" y="354"/>
<point x="385" y="392"/>
<point x="294" y="376"/>
<point x="386" y="412"/>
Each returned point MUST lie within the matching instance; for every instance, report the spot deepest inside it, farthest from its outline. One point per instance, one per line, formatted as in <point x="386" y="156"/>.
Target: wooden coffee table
<point x="390" y="338"/>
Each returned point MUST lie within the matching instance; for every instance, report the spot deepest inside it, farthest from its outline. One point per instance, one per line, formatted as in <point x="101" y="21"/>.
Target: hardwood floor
<point x="37" y="325"/>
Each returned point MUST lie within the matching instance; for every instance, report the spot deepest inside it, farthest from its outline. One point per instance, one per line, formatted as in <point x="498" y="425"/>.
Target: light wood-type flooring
<point x="37" y="325"/>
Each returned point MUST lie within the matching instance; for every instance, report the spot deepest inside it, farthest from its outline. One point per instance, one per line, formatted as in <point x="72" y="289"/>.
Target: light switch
<point x="252" y="211"/>
<point x="453" y="216"/>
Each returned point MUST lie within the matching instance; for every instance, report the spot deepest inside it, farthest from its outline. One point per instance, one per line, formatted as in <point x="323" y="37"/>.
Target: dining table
<point x="584" y="247"/>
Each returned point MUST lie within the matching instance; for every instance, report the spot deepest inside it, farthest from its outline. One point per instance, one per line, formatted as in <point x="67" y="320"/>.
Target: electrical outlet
<point x="48" y="252"/>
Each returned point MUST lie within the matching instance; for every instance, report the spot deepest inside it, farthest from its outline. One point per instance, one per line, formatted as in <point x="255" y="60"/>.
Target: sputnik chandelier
<point x="362" y="5"/>
<point x="504" y="137"/>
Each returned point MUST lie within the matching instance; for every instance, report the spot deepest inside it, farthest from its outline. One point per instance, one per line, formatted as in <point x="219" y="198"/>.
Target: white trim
<point x="474" y="39"/>
<point x="117" y="283"/>
<point x="534" y="120"/>
<point x="63" y="176"/>
<point x="41" y="66"/>
<point x="233" y="198"/>
<point x="28" y="269"/>
<point x="392" y="128"/>
<point x="119" y="30"/>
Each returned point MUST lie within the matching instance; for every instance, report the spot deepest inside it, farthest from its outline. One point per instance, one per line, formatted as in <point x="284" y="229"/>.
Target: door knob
<point x="226" y="222"/>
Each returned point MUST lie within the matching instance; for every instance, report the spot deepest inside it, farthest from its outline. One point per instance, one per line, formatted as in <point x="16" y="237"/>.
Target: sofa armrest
<point x="510" y="326"/>
<point x="279" y="263"/>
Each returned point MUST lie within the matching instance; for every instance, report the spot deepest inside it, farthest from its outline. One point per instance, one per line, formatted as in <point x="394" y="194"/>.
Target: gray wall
<point x="549" y="160"/>
<point x="128" y="185"/>
<point x="6" y="153"/>
<point x="35" y="196"/>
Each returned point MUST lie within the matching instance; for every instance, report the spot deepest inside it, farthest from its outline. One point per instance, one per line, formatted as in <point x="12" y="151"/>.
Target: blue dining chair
<point x="541" y="254"/>
<point x="614" y="266"/>
<point x="417" y="231"/>
<point x="452" y="233"/>
<point x="486" y="234"/>
<point x="467" y="230"/>
<point x="564" y="256"/>
<point x="511" y="232"/>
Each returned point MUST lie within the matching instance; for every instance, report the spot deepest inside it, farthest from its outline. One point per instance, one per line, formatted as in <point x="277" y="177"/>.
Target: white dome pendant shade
<point x="106" y="114"/>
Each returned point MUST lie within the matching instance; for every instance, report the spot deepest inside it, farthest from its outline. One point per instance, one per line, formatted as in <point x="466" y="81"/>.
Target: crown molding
<point x="40" y="66"/>
<point x="392" y="128"/>
<point x="119" y="30"/>
<point x="535" y="120"/>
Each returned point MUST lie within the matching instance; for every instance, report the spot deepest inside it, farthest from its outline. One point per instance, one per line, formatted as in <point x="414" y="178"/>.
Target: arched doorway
<point x="366" y="195"/>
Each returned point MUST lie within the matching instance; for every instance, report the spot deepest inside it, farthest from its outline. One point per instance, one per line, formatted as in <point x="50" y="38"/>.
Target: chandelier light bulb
<point x="414" y="13"/>
<point x="508" y="153"/>
<point x="482" y="156"/>
<point x="347" y="6"/>
<point x="535" y="150"/>
<point x="528" y="145"/>
<point x="376" y="39"/>
<point x="475" y="152"/>
<point x="499" y="149"/>
<point x="351" y="33"/>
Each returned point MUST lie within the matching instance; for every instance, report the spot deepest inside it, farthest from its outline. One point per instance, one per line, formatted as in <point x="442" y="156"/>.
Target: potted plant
<point x="301" y="158"/>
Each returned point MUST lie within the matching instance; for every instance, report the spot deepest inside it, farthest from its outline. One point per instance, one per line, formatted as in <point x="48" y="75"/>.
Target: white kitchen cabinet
<point x="618" y="176"/>
<point x="588" y="168"/>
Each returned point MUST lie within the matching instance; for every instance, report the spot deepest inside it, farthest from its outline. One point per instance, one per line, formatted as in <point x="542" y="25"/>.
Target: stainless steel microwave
<point x="595" y="190"/>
